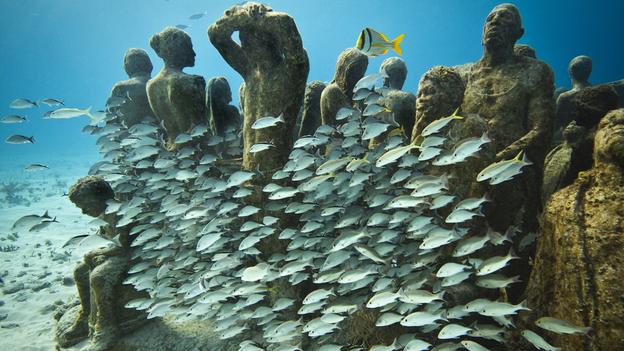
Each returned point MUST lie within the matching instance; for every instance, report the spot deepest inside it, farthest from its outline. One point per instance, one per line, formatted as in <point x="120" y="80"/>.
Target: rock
<point x="274" y="65"/>
<point x="68" y="281"/>
<point x="9" y="326"/>
<point x="40" y="286"/>
<point x="578" y="269"/>
<point x="12" y="289"/>
<point x="138" y="66"/>
<point x="3" y="316"/>
<point x="178" y="99"/>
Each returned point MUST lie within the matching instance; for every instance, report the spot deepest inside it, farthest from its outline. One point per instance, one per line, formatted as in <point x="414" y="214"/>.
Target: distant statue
<point x="139" y="67"/>
<point x="274" y="65"/>
<point x="524" y="50"/>
<point x="350" y="68"/>
<point x="440" y="92"/>
<point x="514" y="95"/>
<point x="101" y="315"/>
<point x="311" y="114"/>
<point x="578" y="268"/>
<point x="579" y="69"/>
<point x="178" y="99"/>
<point x="401" y="103"/>
<point x="221" y="114"/>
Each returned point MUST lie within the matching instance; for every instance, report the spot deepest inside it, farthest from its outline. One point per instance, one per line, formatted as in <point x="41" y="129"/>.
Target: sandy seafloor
<point x="38" y="273"/>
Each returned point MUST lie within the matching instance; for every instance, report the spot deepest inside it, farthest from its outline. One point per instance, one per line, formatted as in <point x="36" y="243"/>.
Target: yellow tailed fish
<point x="374" y="43"/>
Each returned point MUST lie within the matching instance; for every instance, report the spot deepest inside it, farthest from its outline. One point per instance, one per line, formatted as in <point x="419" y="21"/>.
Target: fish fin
<point x="281" y="117"/>
<point x="519" y="156"/>
<point x="32" y="139"/>
<point x="46" y="215"/>
<point x="396" y="44"/>
<point x="485" y="138"/>
<point x="88" y="113"/>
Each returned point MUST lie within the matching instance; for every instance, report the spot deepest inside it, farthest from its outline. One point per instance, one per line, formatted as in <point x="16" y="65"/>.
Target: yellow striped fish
<point x="373" y="43"/>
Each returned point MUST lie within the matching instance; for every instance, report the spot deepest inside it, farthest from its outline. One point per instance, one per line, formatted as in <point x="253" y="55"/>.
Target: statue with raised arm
<point x="274" y="65"/>
<point x="514" y="95"/>
<point x="350" y="68"/>
<point x="178" y="99"/>
<point x="138" y="66"/>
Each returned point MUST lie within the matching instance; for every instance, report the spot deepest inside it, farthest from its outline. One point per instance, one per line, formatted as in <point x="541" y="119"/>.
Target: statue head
<point x="396" y="69"/>
<point x="90" y="195"/>
<point x="174" y="46"/>
<point x="137" y="62"/>
<point x="524" y="50"/>
<point x="350" y="68"/>
<point x="609" y="139"/>
<point x="440" y="91"/>
<point x="218" y="89"/>
<point x="580" y="68"/>
<point x="503" y="26"/>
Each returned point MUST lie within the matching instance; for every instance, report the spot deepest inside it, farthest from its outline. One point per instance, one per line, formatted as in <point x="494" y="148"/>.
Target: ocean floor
<point x="36" y="270"/>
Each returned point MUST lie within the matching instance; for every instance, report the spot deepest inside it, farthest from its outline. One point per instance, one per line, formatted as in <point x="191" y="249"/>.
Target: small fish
<point x="198" y="15"/>
<point x="417" y="345"/>
<point x="22" y="104"/>
<point x="452" y="331"/>
<point x="495" y="263"/>
<point x="65" y="113"/>
<point x="438" y="124"/>
<point x="473" y="346"/>
<point x="19" y="139"/>
<point x="182" y="26"/>
<point x="373" y="130"/>
<point x="331" y="166"/>
<point x="538" y="341"/>
<point x="266" y="122"/>
<point x="500" y="166"/>
<point x="496" y="281"/>
<point x="372" y="110"/>
<point x="499" y="309"/>
<point x="394" y="154"/>
<point x="421" y="318"/>
<point x="75" y="240"/>
<point x="42" y="225"/>
<point x="35" y="167"/>
<point x="53" y="102"/>
<point x="560" y="326"/>
<point x="381" y="299"/>
<point x="12" y="119"/>
<point x="373" y="43"/>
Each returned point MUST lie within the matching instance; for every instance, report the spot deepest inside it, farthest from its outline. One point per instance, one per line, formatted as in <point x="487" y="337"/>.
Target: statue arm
<point x="285" y="29"/>
<point x="220" y="35"/>
<point x="540" y="118"/>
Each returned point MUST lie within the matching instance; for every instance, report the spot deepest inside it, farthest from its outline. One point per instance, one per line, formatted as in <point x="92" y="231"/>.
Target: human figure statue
<point x="311" y="114"/>
<point x="579" y="70"/>
<point x="221" y="114"/>
<point x="514" y="95"/>
<point x="578" y="268"/>
<point x="401" y="103"/>
<point x="440" y="92"/>
<point x="178" y="99"/>
<point x="350" y="68"/>
<point x="274" y="65"/>
<point x="139" y="67"/>
<point x="524" y="50"/>
<point x="99" y="277"/>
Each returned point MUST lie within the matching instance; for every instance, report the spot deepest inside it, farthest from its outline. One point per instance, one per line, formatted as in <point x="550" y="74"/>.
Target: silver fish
<point x="22" y="104"/>
<point x="12" y="119"/>
<point x="19" y="139"/>
<point x="266" y="122"/>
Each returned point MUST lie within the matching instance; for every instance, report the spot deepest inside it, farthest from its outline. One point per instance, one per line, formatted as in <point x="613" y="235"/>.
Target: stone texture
<point x="579" y="70"/>
<point x="221" y="114"/>
<point x="311" y="114"/>
<point x="579" y="268"/>
<point x="90" y="194"/>
<point x="350" y="68"/>
<point x="178" y="99"/>
<point x="274" y="66"/>
<point x="138" y="66"/>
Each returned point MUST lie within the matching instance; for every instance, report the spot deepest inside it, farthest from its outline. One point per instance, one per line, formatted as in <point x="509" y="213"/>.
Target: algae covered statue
<point x="401" y="103"/>
<point x="579" y="266"/>
<point x="579" y="69"/>
<point x="514" y="95"/>
<point x="221" y="115"/>
<point x="311" y="114"/>
<point x="101" y="315"/>
<point x="350" y="68"/>
<point x="132" y="92"/>
<point x="274" y="65"/>
<point x="178" y="99"/>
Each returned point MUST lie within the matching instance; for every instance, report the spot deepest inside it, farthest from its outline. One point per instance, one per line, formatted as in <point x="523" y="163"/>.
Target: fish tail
<point x="281" y="117"/>
<point x="88" y="113"/>
<point x="485" y="138"/>
<point x="519" y="156"/>
<point x="31" y="139"/>
<point x="396" y="44"/>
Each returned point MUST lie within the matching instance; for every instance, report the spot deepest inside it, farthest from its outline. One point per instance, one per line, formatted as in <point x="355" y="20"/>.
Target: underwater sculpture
<point x="579" y="265"/>
<point x="178" y="99"/>
<point x="138" y="66"/>
<point x="311" y="114"/>
<point x="274" y="65"/>
<point x="524" y="50"/>
<point x="514" y="95"/>
<point x="440" y="92"/>
<point x="350" y="68"/>
<point x="579" y="70"/>
<point x="221" y="114"/>
<point x="401" y="103"/>
<point x="575" y="154"/>
<point x="101" y="315"/>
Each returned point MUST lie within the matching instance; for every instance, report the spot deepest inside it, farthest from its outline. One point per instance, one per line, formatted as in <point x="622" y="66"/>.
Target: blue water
<point x="73" y="49"/>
